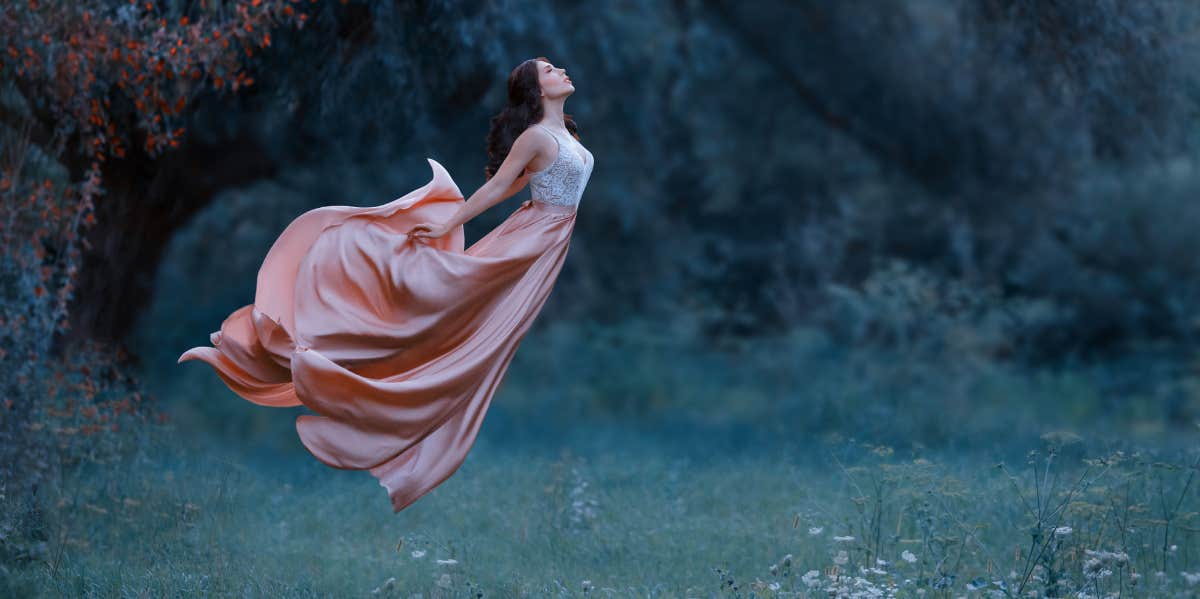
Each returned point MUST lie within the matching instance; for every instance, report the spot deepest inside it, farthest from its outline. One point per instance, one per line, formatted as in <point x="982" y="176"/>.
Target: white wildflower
<point x="387" y="584"/>
<point x="774" y="586"/>
<point x="1191" y="579"/>
<point x="418" y="554"/>
<point x="444" y="581"/>
<point x="841" y="558"/>
<point x="816" y="530"/>
<point x="908" y="556"/>
<point x="447" y="562"/>
<point x="1116" y="557"/>
<point x="1063" y="531"/>
<point x="841" y="539"/>
<point x="811" y="578"/>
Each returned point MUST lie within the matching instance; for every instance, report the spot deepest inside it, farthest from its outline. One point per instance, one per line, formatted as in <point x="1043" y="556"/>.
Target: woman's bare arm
<point x="517" y="185"/>
<point x="507" y="180"/>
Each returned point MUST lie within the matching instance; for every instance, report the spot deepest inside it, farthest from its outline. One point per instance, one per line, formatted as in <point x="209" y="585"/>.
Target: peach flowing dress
<point x="398" y="343"/>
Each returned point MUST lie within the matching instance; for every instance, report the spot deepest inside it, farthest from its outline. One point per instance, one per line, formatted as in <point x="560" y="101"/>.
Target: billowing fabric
<point x="397" y="343"/>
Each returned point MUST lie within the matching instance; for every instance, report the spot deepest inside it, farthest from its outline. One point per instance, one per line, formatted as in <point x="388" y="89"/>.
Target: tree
<point x="96" y="170"/>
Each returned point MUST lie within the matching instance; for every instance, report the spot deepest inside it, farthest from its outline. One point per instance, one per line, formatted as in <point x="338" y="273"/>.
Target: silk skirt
<point x="396" y="343"/>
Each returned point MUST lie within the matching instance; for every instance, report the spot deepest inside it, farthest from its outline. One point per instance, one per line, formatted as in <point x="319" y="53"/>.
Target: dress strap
<point x="558" y="138"/>
<point x="549" y="130"/>
<point x="556" y="142"/>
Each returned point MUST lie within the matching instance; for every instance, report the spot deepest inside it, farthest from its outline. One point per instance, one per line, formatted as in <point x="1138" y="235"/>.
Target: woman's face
<point x="554" y="81"/>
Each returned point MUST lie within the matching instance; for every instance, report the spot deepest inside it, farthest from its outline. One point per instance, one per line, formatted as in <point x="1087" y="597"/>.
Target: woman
<point x="382" y="323"/>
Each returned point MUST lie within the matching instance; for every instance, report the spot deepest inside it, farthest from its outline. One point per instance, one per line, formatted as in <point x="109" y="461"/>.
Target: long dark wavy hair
<point x="524" y="108"/>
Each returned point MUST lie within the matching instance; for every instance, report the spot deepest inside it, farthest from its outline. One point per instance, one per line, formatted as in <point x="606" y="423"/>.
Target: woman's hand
<point x="428" y="231"/>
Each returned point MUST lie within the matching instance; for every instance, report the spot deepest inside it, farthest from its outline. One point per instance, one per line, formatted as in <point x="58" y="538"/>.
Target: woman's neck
<point x="552" y="114"/>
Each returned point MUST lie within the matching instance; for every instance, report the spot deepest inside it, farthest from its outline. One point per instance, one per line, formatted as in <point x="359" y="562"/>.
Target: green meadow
<point x="790" y="476"/>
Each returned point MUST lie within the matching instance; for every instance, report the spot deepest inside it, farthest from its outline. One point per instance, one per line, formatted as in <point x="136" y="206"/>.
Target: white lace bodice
<point x="562" y="182"/>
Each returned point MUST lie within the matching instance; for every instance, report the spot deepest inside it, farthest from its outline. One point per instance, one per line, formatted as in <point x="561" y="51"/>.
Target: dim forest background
<point x="945" y="228"/>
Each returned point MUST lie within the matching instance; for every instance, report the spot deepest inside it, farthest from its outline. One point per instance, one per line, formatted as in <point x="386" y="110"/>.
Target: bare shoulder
<point x="535" y="135"/>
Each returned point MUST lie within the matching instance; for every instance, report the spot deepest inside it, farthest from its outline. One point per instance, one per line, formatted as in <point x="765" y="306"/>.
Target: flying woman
<point x="380" y="321"/>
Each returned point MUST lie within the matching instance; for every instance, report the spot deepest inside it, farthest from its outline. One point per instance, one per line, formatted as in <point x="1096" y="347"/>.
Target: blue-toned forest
<point x="865" y="298"/>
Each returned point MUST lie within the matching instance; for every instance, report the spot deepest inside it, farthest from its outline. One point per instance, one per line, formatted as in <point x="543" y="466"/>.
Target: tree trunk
<point x="146" y="200"/>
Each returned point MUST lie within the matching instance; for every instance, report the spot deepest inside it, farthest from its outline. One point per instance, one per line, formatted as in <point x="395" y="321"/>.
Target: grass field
<point x="620" y="515"/>
<point x="856" y="486"/>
